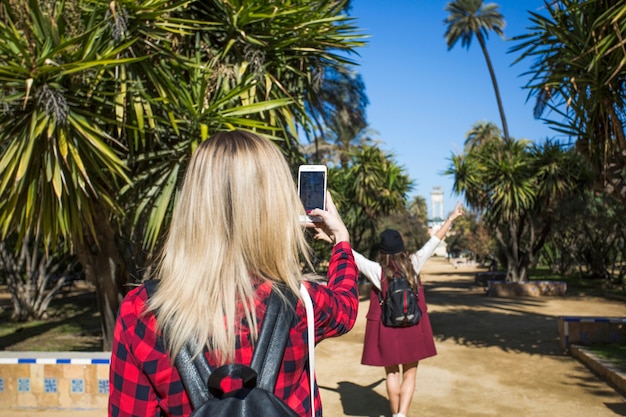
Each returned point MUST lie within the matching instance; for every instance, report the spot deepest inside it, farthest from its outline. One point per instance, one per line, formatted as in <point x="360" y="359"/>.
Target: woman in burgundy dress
<point x="399" y="350"/>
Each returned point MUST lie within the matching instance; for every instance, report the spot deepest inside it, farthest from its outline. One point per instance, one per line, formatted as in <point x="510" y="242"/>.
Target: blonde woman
<point x="235" y="233"/>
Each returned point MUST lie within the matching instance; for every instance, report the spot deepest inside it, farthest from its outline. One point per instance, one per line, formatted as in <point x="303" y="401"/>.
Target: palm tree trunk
<point x="509" y="243"/>
<point x="505" y="127"/>
<point x="104" y="267"/>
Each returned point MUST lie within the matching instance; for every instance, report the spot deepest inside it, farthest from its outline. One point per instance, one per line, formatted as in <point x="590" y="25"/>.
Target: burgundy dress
<point x="389" y="346"/>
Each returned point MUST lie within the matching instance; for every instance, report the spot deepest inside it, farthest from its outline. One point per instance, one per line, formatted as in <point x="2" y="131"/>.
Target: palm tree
<point x="471" y="17"/>
<point x="418" y="208"/>
<point x="578" y="75"/>
<point x="337" y="149"/>
<point x="103" y="102"/>
<point x="34" y="277"/>
<point x="481" y="133"/>
<point x="371" y="186"/>
<point x="516" y="186"/>
<point x="339" y="109"/>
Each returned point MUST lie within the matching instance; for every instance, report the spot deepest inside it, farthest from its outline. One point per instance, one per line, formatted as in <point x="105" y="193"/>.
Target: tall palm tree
<point x="469" y="18"/>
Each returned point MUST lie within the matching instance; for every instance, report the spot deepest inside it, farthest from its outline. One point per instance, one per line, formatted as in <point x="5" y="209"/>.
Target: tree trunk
<point x="515" y="271"/>
<point x="104" y="267"/>
<point x="511" y="272"/>
<point x="27" y="274"/>
<point x="492" y="74"/>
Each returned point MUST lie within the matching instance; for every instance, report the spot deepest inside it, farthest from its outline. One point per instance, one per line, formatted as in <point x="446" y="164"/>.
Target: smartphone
<point x="312" y="189"/>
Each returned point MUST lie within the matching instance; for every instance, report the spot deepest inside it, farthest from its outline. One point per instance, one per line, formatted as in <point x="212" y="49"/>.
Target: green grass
<point x="613" y="353"/>
<point x="73" y="324"/>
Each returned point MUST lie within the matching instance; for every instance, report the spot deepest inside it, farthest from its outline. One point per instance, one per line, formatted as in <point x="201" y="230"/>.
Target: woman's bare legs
<point x="393" y="383"/>
<point x="400" y="387"/>
<point x="409" y="373"/>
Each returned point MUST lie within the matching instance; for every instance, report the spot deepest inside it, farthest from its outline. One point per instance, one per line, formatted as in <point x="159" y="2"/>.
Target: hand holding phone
<point x="331" y="229"/>
<point x="312" y="189"/>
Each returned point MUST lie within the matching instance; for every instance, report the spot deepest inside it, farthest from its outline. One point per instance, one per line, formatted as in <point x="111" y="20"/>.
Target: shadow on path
<point x="617" y="408"/>
<point x="359" y="400"/>
<point x="473" y="319"/>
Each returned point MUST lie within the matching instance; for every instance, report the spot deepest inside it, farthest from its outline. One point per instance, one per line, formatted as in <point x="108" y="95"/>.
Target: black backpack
<point x="256" y="396"/>
<point x="399" y="302"/>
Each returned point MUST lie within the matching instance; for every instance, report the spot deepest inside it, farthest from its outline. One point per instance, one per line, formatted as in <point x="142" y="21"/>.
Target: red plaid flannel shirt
<point x="143" y="381"/>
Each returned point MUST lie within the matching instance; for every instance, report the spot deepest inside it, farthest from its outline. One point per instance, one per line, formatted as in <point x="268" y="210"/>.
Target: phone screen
<point x="312" y="189"/>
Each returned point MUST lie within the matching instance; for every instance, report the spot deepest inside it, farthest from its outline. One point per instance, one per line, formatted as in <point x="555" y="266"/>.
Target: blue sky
<point x="424" y="98"/>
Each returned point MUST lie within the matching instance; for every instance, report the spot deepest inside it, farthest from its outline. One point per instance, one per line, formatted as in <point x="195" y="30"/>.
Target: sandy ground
<point x="496" y="357"/>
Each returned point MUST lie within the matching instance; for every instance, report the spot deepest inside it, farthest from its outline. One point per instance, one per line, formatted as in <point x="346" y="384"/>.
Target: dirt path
<point x="497" y="357"/>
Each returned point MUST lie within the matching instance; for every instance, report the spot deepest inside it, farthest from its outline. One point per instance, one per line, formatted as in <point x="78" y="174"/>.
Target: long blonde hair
<point x="236" y="220"/>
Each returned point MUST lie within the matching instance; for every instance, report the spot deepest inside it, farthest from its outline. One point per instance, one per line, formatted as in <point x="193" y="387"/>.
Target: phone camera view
<point x="312" y="190"/>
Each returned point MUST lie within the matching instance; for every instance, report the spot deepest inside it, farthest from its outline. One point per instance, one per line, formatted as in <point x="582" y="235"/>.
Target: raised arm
<point x="458" y="211"/>
<point x="420" y="257"/>
<point x="370" y="269"/>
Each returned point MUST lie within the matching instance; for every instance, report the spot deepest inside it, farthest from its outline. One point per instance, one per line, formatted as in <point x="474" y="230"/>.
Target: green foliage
<point x="412" y="222"/>
<point x="56" y="151"/>
<point x="103" y="102"/>
<point x="481" y="133"/>
<point x="577" y="284"/>
<point x="470" y="233"/>
<point x="469" y="18"/>
<point x="498" y="179"/>
<point x="34" y="276"/>
<point x="414" y="231"/>
<point x="578" y="79"/>
<point x="589" y="237"/>
<point x="339" y="112"/>
<point x="515" y="186"/>
<point x="369" y="188"/>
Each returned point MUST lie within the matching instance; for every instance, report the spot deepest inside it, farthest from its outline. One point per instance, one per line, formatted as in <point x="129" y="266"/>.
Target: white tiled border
<point x="55" y="358"/>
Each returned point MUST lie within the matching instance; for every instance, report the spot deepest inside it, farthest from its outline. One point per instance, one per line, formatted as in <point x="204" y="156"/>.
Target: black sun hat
<point x="391" y="242"/>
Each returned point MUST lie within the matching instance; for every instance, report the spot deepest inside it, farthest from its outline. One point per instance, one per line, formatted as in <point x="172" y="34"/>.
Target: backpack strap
<point x="194" y="374"/>
<point x="270" y="347"/>
<point x="383" y="287"/>
<point x="384" y="284"/>
<point x="310" y="320"/>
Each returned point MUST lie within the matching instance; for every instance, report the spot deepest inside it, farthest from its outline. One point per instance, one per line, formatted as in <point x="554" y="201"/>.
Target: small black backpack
<point x="399" y="302"/>
<point x="256" y="396"/>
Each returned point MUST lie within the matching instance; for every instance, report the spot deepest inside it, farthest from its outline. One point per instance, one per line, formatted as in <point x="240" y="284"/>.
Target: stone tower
<point x="436" y="201"/>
